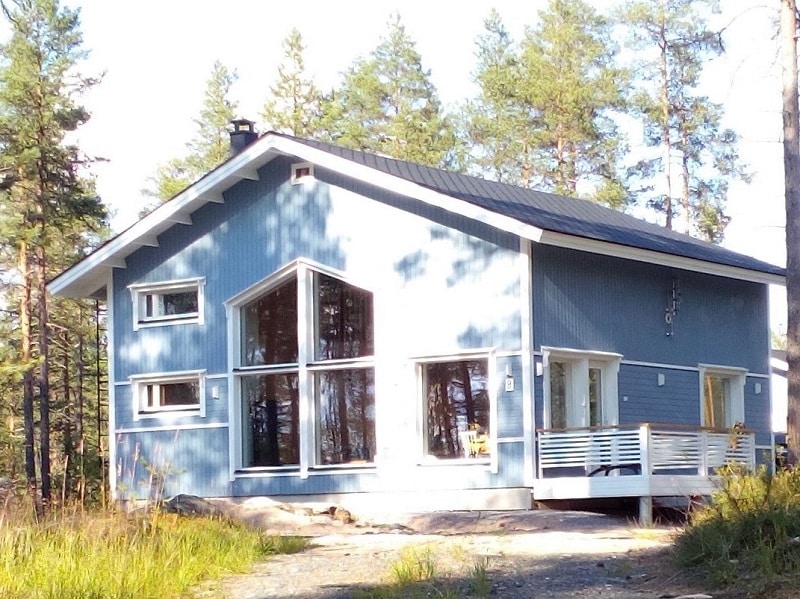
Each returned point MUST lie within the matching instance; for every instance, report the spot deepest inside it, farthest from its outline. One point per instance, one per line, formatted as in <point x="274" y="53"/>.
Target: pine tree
<point x="571" y="80"/>
<point x="672" y="42"/>
<point x="46" y="194"/>
<point x="388" y="104"/>
<point x="543" y="117"/>
<point x="295" y="103"/>
<point x="210" y="145"/>
<point x="499" y="129"/>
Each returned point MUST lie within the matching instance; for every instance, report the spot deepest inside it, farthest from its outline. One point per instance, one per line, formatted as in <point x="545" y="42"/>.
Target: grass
<point x="748" y="535"/>
<point x="113" y="556"/>
<point x="416" y="574"/>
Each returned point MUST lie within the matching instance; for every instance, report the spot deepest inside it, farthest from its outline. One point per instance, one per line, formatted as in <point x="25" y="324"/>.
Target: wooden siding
<point x="757" y="414"/>
<point x="216" y="410"/>
<point x="642" y="400"/>
<point x="593" y="302"/>
<point x="442" y="285"/>
<point x="410" y="478"/>
<point x="509" y="403"/>
<point x="188" y="460"/>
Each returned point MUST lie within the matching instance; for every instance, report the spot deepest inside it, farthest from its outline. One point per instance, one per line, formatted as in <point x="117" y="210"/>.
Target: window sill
<point x="460" y="462"/>
<point x="193" y="411"/>
<point x="150" y="324"/>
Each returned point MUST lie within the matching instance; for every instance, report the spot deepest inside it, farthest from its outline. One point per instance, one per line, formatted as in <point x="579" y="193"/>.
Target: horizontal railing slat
<point x="666" y="448"/>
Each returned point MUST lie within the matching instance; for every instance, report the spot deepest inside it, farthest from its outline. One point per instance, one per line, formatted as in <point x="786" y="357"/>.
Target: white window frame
<point x="737" y="378"/>
<point x="488" y="354"/>
<point x="140" y="292"/>
<point x="298" y="178"/>
<point x="140" y="383"/>
<point x="578" y="386"/>
<point x="302" y="270"/>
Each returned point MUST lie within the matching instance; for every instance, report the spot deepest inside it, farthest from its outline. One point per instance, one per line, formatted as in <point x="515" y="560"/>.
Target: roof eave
<point x="90" y="275"/>
<point x="652" y="257"/>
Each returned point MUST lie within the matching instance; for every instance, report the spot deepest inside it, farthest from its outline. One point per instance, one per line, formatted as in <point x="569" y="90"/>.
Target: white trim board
<point x="168" y="427"/>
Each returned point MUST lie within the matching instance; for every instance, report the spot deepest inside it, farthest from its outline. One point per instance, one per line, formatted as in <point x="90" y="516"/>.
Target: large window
<point x="580" y="388"/>
<point x="456" y="409"/>
<point x="322" y="367"/>
<point x="722" y="396"/>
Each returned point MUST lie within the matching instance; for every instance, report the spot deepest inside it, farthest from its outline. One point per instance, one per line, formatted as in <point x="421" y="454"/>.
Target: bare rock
<point x="191" y="505"/>
<point x="342" y="515"/>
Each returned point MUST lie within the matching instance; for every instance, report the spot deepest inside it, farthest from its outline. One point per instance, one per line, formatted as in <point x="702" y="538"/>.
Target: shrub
<point x="749" y="533"/>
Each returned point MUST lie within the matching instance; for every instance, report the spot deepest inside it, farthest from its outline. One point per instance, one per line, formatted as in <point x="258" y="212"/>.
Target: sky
<point x="157" y="56"/>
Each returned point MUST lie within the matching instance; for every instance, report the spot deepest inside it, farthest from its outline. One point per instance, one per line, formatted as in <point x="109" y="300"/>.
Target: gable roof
<point x="538" y="216"/>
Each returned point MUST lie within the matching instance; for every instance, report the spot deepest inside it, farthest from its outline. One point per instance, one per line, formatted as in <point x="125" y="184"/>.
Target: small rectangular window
<point x="302" y="172"/>
<point x="174" y="393"/>
<point x="175" y="302"/>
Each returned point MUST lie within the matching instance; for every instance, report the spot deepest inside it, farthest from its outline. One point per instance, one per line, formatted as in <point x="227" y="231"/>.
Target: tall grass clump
<point x="749" y="533"/>
<point x="116" y="556"/>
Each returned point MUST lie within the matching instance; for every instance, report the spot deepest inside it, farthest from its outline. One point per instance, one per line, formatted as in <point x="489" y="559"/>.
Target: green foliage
<point x="295" y="103"/>
<point x="481" y="584"/>
<point x="414" y="565"/>
<point x="210" y="145"/>
<point x="544" y="114"/>
<point x="749" y="534"/>
<point x="672" y="42"/>
<point x="115" y="556"/>
<point x="498" y="129"/>
<point x="49" y="212"/>
<point x="387" y="104"/>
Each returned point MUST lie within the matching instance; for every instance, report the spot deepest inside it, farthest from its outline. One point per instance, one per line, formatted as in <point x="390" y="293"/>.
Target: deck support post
<point x="646" y="510"/>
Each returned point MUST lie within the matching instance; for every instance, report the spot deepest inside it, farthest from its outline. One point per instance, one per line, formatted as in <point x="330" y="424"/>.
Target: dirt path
<point x="545" y="554"/>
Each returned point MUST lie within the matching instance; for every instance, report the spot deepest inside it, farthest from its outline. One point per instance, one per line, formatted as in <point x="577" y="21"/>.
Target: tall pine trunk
<point x="44" y="372"/>
<point x="666" y="144"/>
<point x="26" y="355"/>
<point x="791" y="166"/>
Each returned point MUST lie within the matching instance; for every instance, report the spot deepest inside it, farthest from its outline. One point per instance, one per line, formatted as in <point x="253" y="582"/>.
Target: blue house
<point x="309" y="322"/>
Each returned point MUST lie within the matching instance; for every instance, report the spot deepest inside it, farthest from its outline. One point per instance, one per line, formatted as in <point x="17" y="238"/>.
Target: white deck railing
<point x="644" y="449"/>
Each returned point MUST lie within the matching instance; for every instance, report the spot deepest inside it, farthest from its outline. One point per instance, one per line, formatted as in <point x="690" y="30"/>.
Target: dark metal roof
<point x="551" y="212"/>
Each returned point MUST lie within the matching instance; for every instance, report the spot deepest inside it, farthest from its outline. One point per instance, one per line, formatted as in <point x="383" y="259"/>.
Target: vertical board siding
<point x="509" y="403"/>
<point x="538" y="392"/>
<point x="188" y="461"/>
<point x="442" y="284"/>
<point x="593" y="302"/>
<point x="642" y="400"/>
<point x="757" y="414"/>
<point x="216" y="409"/>
<point x="420" y="478"/>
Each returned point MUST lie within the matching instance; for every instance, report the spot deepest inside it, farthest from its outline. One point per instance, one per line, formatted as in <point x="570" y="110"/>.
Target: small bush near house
<point x="115" y="556"/>
<point x="749" y="533"/>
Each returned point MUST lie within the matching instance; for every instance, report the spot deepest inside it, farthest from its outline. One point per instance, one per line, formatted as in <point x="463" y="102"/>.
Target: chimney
<point x="243" y="135"/>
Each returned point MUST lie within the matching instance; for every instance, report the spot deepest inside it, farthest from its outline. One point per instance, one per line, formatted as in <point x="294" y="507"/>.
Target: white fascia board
<point x="367" y="174"/>
<point x="606" y="248"/>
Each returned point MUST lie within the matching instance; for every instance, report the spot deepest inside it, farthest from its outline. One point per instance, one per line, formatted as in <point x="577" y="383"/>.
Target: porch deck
<point x="643" y="460"/>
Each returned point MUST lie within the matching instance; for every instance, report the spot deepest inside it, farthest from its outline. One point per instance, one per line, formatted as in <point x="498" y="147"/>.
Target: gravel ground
<point x="542" y="553"/>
